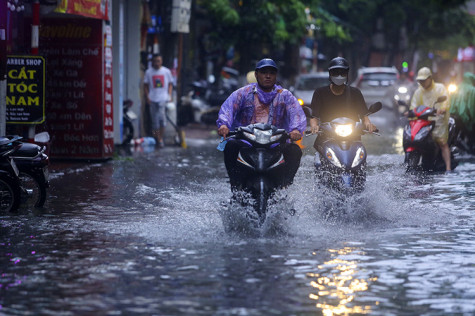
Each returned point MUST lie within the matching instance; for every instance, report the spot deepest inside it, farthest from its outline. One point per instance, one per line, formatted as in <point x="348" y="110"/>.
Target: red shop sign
<point x="79" y="88"/>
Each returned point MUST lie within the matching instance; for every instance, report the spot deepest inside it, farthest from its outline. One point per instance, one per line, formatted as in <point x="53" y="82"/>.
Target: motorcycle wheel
<point x="10" y="195"/>
<point x="34" y="193"/>
<point x="412" y="161"/>
<point x="261" y="208"/>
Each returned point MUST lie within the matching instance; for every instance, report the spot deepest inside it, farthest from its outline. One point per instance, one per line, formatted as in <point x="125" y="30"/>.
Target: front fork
<point x="262" y="197"/>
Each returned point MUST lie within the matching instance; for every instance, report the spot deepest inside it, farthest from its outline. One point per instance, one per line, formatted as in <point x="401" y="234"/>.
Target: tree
<point x="356" y="28"/>
<point x="406" y="26"/>
<point x="256" y="28"/>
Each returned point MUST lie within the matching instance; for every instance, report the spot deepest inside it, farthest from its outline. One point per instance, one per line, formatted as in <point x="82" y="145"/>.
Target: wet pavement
<point x="150" y="234"/>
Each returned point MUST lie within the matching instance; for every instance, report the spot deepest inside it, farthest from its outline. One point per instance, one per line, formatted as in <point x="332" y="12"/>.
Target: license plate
<point x="14" y="167"/>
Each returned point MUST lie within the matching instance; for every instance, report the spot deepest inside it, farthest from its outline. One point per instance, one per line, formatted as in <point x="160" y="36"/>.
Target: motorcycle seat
<point x="27" y="150"/>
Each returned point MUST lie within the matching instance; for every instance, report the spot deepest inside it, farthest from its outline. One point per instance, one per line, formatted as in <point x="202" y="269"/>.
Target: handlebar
<point x="320" y="131"/>
<point x="309" y="133"/>
<point x="376" y="132"/>
<point x="8" y="139"/>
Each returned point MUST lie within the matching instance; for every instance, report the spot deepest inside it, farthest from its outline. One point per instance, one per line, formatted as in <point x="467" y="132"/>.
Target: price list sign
<point x="78" y="92"/>
<point x="25" y="90"/>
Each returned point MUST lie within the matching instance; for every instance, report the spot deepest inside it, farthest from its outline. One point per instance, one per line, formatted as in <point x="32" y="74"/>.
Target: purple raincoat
<point x="284" y="110"/>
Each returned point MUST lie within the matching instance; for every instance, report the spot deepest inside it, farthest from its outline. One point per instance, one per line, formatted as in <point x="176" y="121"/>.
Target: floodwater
<point x="150" y="235"/>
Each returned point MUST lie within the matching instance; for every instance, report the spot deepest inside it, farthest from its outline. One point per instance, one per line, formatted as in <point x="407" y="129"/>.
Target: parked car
<point x="306" y="84"/>
<point x="376" y="84"/>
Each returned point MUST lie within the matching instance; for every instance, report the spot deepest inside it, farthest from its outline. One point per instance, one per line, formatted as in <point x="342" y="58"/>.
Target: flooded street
<point x="149" y="235"/>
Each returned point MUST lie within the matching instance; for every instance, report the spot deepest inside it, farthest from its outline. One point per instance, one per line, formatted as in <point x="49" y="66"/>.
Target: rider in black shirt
<point x="338" y="99"/>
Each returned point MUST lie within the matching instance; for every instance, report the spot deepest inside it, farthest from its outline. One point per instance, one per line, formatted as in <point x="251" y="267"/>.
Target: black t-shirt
<point x="327" y="106"/>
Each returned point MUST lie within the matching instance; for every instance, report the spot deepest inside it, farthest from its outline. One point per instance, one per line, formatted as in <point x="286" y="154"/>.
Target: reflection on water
<point x="338" y="283"/>
<point x="146" y="236"/>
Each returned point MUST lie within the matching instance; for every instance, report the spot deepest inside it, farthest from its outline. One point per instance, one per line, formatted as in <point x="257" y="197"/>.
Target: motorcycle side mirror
<point x="307" y="111"/>
<point x="441" y="99"/>
<point x="42" y="137"/>
<point x="375" y="107"/>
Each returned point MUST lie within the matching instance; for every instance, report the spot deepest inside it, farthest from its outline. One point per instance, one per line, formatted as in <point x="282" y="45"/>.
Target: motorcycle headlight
<point x="359" y="157"/>
<point x="343" y="130"/>
<point x="262" y="137"/>
<point x="452" y="88"/>
<point x="402" y="90"/>
<point x="332" y="157"/>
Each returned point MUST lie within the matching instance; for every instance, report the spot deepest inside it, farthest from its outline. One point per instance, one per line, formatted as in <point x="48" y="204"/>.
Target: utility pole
<point x="34" y="47"/>
<point x="181" y="12"/>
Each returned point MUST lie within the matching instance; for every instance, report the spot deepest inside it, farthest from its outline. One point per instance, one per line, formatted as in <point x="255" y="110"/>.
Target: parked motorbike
<point x="421" y="152"/>
<point x="340" y="161"/>
<point x="259" y="162"/>
<point x="195" y="100"/>
<point x="206" y="97"/>
<point x="33" y="163"/>
<point x="464" y="138"/>
<point x="10" y="183"/>
<point x="128" y="126"/>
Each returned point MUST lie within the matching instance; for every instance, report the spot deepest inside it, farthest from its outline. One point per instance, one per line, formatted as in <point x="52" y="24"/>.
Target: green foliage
<point x="427" y="22"/>
<point x="253" y="25"/>
<point x="222" y="11"/>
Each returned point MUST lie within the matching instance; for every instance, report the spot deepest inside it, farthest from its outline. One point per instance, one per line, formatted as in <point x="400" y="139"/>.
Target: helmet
<point x="266" y="62"/>
<point x="339" y="62"/>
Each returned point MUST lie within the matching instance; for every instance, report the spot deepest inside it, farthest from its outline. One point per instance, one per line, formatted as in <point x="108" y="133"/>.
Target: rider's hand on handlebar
<point x="370" y="127"/>
<point x="295" y="135"/>
<point x="223" y="130"/>
<point x="440" y="111"/>
<point x="314" y="126"/>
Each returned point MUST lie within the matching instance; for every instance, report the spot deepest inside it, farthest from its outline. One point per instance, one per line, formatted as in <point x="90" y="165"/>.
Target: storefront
<point x="78" y="54"/>
<point x="77" y="89"/>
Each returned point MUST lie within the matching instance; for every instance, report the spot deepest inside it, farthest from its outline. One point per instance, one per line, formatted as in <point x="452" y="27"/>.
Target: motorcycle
<point x="33" y="163"/>
<point x="421" y="152"/>
<point x="10" y="183"/>
<point x="260" y="162"/>
<point x="195" y="99"/>
<point x="340" y="160"/>
<point x="403" y="93"/>
<point x="128" y="122"/>
<point x="206" y="97"/>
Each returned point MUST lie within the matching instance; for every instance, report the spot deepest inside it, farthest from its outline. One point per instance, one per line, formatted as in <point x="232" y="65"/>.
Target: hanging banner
<point x="25" y="90"/>
<point x="98" y="9"/>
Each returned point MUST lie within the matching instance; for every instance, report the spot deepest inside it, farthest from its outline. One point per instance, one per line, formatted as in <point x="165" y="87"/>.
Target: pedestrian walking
<point x="158" y="88"/>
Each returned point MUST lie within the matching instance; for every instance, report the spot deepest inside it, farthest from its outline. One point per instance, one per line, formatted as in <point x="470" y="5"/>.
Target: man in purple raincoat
<point x="262" y="102"/>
